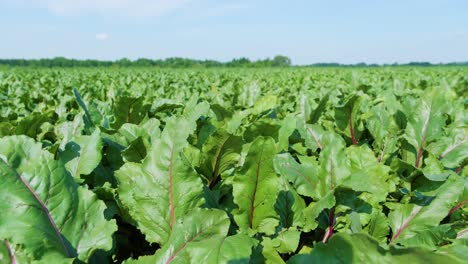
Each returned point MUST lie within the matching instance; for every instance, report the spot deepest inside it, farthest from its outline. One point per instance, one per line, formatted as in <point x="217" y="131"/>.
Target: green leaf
<point x="194" y="110"/>
<point x="129" y="110"/>
<point x="264" y="127"/>
<point x="378" y="226"/>
<point x="31" y="125"/>
<point x="88" y="121"/>
<point x="198" y="237"/>
<point x="136" y="151"/>
<point x="319" y="110"/>
<point x="155" y="193"/>
<point x="367" y="174"/>
<point x="361" y="248"/>
<point x="458" y="249"/>
<point x="148" y="130"/>
<point x="303" y="176"/>
<point x="264" y="103"/>
<point x="6" y="129"/>
<point x="220" y="153"/>
<point x="312" y="135"/>
<point x="334" y="169"/>
<point x="434" y="169"/>
<point x="15" y="254"/>
<point x="82" y="154"/>
<point x="285" y="242"/>
<point x="44" y="210"/>
<point x="431" y="238"/>
<point x="334" y="165"/>
<point x="287" y="128"/>
<point x="289" y="206"/>
<point x="426" y="121"/>
<point x="355" y="226"/>
<point x="452" y="149"/>
<point x="255" y="188"/>
<point x="347" y="116"/>
<point x="231" y="249"/>
<point x="312" y="211"/>
<point x="409" y="220"/>
<point x="66" y="131"/>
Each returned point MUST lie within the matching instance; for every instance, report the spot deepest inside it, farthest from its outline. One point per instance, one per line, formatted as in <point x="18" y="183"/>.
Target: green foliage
<point x="277" y="61"/>
<point x="43" y="210"/>
<point x="233" y="165"/>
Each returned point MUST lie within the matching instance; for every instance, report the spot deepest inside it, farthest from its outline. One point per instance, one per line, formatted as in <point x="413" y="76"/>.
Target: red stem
<point x="317" y="141"/>
<point x="215" y="173"/>
<point x="329" y="231"/>
<point x="420" y="152"/>
<point x="171" y="258"/>
<point x="461" y="233"/>
<point x="405" y="224"/>
<point x="10" y="252"/>
<point x="382" y="153"/>
<point x="456" y="207"/>
<point x="331" y="215"/>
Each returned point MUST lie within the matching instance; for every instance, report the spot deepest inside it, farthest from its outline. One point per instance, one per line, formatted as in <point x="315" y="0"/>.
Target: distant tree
<point x="277" y="61"/>
<point x="241" y="62"/>
<point x="124" y="62"/>
<point x="281" y="61"/>
<point x="142" y="62"/>
<point x="417" y="63"/>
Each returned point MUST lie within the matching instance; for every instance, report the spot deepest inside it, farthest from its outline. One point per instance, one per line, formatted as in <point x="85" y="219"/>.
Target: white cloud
<point x="102" y="36"/>
<point x="133" y="9"/>
<point x="129" y="8"/>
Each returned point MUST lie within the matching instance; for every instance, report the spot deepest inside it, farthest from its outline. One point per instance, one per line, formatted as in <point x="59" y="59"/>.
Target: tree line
<point x="277" y="61"/>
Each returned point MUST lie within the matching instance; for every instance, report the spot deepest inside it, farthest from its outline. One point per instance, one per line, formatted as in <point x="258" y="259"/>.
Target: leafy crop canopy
<point x="322" y="165"/>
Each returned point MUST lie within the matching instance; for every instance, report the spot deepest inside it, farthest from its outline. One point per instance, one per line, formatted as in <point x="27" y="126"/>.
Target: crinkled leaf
<point x="347" y="117"/>
<point x="44" y="210"/>
<point x="221" y="152"/>
<point x="319" y="110"/>
<point x="434" y="169"/>
<point x="367" y="174"/>
<point x="452" y="150"/>
<point x="431" y="238"/>
<point x="31" y="125"/>
<point x="303" y="176"/>
<point x="408" y="220"/>
<point x="255" y="188"/>
<point x="378" y="226"/>
<point x="164" y="187"/>
<point x="361" y="248"/>
<point x="231" y="249"/>
<point x="82" y="154"/>
<point x="129" y="110"/>
<point x="88" y="121"/>
<point x="149" y="130"/>
<point x="312" y="135"/>
<point x="289" y="206"/>
<point x="15" y="254"/>
<point x="426" y="120"/>
<point x="197" y="237"/>
<point x="135" y="152"/>
<point x="287" y="128"/>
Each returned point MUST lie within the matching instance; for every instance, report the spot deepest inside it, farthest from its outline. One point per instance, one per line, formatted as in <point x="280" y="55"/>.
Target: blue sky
<point x="345" y="31"/>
